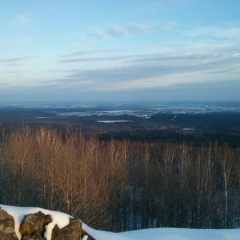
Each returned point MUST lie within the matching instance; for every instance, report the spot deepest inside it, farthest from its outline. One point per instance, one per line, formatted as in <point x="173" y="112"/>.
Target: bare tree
<point x="166" y="169"/>
<point x="203" y="184"/>
<point x="226" y="163"/>
<point x="184" y="180"/>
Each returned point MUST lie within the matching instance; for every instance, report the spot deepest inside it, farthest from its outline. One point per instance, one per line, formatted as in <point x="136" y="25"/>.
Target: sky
<point x="119" y="50"/>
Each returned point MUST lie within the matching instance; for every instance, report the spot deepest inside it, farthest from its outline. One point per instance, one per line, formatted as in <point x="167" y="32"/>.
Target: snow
<point x="188" y="129"/>
<point x="166" y="234"/>
<point x="103" y="235"/>
<point x="185" y="234"/>
<point x="113" y="121"/>
<point x="18" y="213"/>
<point x="62" y="219"/>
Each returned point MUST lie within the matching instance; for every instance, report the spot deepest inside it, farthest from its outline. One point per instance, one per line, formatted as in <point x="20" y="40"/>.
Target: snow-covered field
<point x="62" y="219"/>
<point x="166" y="234"/>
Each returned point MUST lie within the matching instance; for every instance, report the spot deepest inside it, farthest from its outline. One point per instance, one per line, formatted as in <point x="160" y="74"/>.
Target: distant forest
<point x="121" y="185"/>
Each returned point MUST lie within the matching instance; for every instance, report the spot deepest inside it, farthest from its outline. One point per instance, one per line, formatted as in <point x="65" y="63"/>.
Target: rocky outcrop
<point x="71" y="231"/>
<point x="33" y="227"/>
<point x="7" y="227"/>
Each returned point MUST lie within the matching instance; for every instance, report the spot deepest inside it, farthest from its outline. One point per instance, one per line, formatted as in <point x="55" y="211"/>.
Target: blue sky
<point x="133" y="50"/>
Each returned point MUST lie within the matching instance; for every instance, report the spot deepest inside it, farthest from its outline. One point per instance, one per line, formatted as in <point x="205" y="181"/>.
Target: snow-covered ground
<point x="62" y="219"/>
<point x="167" y="234"/>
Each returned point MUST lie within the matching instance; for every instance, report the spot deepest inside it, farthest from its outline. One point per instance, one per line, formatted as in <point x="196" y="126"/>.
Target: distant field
<point x="146" y="121"/>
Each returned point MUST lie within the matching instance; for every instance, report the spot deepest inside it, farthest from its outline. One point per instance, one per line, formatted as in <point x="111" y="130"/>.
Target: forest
<point x="121" y="185"/>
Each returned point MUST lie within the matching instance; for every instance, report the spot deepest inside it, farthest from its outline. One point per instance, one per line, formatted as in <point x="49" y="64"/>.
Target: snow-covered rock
<point x="19" y="213"/>
<point x="64" y="224"/>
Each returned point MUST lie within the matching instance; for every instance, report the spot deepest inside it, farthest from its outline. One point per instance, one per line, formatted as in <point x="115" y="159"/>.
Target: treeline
<point x="121" y="185"/>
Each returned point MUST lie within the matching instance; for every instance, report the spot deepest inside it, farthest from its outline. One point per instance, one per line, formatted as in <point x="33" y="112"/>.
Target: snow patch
<point x="166" y="234"/>
<point x="104" y="235"/>
<point x="113" y="121"/>
<point x="42" y="117"/>
<point x="188" y="129"/>
<point x="18" y="213"/>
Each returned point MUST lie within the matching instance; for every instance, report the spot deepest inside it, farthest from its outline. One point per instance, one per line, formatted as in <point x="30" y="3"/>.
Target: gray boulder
<point x="72" y="231"/>
<point x="7" y="230"/>
<point x="33" y="226"/>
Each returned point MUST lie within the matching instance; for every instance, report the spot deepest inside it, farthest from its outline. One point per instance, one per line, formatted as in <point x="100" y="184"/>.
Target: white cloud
<point x="195" y="63"/>
<point x="123" y="30"/>
<point x="141" y="27"/>
<point x="21" y="20"/>
<point x="16" y="60"/>
<point x="98" y="32"/>
<point x="221" y="32"/>
<point x="84" y="53"/>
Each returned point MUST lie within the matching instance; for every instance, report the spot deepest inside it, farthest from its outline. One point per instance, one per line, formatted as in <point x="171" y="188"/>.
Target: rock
<point x="70" y="232"/>
<point x="85" y="235"/>
<point x="33" y="226"/>
<point x="7" y="230"/>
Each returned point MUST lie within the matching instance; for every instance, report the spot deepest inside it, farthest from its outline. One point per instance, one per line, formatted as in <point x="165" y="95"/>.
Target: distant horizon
<point x="124" y="101"/>
<point x="121" y="102"/>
